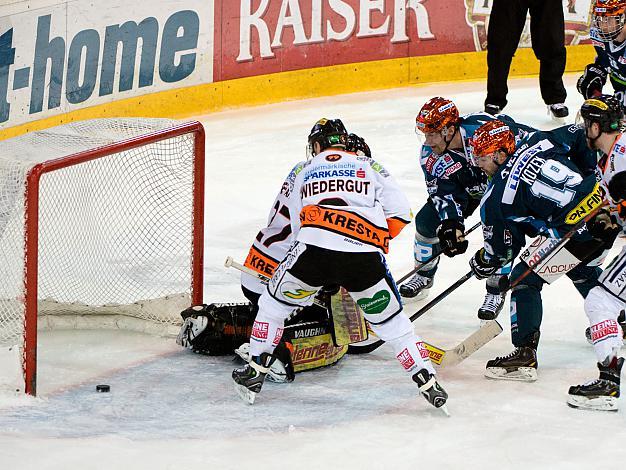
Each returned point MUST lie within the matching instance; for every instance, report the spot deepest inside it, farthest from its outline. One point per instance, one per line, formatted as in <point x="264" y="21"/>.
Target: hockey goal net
<point x="101" y="226"/>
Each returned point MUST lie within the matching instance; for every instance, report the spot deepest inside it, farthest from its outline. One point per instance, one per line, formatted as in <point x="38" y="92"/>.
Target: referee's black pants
<point x="547" y="29"/>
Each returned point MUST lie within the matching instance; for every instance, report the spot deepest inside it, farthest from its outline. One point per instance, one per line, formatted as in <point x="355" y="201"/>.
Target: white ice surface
<point x="171" y="409"/>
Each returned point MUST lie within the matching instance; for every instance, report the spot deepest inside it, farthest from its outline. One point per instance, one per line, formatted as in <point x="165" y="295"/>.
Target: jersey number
<point x="561" y="175"/>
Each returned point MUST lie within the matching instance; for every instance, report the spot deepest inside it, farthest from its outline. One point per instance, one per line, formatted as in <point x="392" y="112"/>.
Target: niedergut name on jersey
<point x="317" y="187"/>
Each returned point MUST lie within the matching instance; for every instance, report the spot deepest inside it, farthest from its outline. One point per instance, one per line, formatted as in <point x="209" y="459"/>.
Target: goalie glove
<point x="591" y="81"/>
<point x="481" y="266"/>
<point x="191" y="329"/>
<point x="452" y="238"/>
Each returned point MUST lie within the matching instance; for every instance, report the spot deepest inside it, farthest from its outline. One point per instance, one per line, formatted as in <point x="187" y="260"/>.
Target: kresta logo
<point x="376" y="304"/>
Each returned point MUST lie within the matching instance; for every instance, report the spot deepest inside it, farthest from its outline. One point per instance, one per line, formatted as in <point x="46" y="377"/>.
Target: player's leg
<point x="370" y="284"/>
<point x="425" y="248"/>
<point x="603" y="305"/>
<point x="294" y="284"/>
<point x="506" y="23"/>
<point x="526" y="314"/>
<point x="548" y="42"/>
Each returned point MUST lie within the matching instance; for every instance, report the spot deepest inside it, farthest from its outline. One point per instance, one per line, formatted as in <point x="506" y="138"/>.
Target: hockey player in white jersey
<point x="309" y="341"/>
<point x="602" y="117"/>
<point x="349" y="209"/>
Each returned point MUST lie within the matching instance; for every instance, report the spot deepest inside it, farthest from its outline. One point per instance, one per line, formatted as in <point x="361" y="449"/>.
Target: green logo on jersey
<point x="377" y="303"/>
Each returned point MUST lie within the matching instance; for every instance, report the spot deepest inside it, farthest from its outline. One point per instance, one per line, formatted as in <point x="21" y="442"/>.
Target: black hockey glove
<point x="603" y="227"/>
<point x="591" y="81"/>
<point x="358" y="145"/>
<point x="482" y="267"/>
<point x="451" y="237"/>
<point x="617" y="186"/>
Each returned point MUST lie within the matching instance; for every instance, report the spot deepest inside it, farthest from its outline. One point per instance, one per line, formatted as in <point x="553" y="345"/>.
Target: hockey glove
<point x="481" y="266"/>
<point x="591" y="81"/>
<point x="617" y="187"/>
<point x="452" y="238"/>
<point x="603" y="228"/>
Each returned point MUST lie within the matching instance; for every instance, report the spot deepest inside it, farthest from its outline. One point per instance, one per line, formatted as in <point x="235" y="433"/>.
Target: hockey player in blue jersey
<point x="534" y="190"/>
<point x="608" y="37"/>
<point x="454" y="191"/>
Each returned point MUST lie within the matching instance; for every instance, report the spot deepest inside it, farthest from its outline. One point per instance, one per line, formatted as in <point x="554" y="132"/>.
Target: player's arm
<point x="593" y="79"/>
<point x="393" y="200"/>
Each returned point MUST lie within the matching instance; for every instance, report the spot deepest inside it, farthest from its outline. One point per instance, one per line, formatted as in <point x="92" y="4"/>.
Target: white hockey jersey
<point x="614" y="163"/>
<point x="347" y="203"/>
<point x="273" y="241"/>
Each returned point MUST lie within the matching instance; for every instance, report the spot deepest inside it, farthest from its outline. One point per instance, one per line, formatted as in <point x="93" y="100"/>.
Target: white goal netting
<point x="115" y="232"/>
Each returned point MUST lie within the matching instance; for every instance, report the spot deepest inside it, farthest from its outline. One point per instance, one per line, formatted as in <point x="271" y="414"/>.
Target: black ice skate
<point x="417" y="287"/>
<point x="491" y="307"/>
<point x="431" y="390"/>
<point x="249" y="378"/>
<point x="520" y="365"/>
<point x="600" y="394"/>
<point x="558" y="111"/>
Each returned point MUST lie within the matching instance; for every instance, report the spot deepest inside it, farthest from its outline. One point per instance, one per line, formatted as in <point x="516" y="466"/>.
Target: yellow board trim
<point x="308" y="83"/>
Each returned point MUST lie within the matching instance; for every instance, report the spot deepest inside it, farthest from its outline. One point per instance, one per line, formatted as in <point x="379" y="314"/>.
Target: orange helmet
<point x="492" y="136"/>
<point x="436" y="114"/>
<point x="608" y="17"/>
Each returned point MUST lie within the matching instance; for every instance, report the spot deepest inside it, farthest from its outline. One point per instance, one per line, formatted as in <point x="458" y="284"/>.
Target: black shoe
<point x="430" y="389"/>
<point x="493" y="109"/>
<point x="521" y="365"/>
<point x="491" y="307"/>
<point x="558" y="110"/>
<point x="249" y="378"/>
<point x="600" y="394"/>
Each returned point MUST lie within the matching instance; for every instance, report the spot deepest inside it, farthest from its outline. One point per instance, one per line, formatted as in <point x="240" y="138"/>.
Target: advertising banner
<point x="56" y="57"/>
<point x="271" y="36"/>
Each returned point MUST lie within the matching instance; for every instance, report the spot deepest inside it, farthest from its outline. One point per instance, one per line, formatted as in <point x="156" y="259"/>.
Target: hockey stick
<point x="231" y="263"/>
<point x="375" y="345"/>
<point x="424" y="263"/>
<point x="437" y="353"/>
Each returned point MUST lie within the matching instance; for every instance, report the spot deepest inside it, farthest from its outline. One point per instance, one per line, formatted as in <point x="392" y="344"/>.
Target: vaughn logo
<point x="93" y="62"/>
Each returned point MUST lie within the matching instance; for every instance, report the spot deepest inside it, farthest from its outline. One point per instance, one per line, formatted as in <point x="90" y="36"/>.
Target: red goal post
<point x="101" y="221"/>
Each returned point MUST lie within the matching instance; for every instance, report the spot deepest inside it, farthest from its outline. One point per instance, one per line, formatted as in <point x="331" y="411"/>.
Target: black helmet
<point x="606" y="110"/>
<point x="328" y="133"/>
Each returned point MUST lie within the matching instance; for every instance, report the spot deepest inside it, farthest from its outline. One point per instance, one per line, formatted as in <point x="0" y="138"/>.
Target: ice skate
<point x="520" y="365"/>
<point x="558" y="111"/>
<point x="491" y="307"/>
<point x="431" y="390"/>
<point x="249" y="378"/>
<point x="417" y="287"/>
<point x="280" y="371"/>
<point x="600" y="394"/>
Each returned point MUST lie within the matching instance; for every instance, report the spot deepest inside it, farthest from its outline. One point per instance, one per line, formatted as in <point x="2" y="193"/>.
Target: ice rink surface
<point x="171" y="409"/>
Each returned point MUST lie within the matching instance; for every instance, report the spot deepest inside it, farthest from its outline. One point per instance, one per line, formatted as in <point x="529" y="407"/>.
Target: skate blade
<point x="594" y="404"/>
<point x="444" y="409"/>
<point x="523" y="374"/>
<point x="245" y="394"/>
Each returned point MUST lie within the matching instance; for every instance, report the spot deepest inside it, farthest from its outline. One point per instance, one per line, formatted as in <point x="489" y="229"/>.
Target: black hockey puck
<point x="103" y="388"/>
